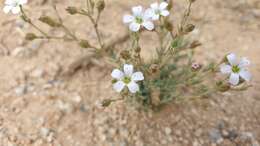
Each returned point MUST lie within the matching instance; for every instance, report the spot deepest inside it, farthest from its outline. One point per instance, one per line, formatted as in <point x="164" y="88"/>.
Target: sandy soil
<point x="39" y="108"/>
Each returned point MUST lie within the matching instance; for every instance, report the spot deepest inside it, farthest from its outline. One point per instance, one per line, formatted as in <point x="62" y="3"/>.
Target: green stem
<point x="28" y="20"/>
<point x="67" y="31"/>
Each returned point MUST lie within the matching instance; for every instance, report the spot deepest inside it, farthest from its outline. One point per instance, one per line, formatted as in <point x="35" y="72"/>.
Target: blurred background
<point x="41" y="107"/>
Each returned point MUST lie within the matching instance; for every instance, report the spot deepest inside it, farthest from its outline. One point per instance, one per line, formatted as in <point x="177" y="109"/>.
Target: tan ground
<point x="37" y="108"/>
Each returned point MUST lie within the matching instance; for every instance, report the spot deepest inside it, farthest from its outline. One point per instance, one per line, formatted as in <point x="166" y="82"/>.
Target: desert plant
<point x="172" y="75"/>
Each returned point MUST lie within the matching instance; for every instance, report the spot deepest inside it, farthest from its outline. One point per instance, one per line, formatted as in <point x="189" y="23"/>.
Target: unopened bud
<point x="138" y="50"/>
<point x="154" y="68"/>
<point x="195" y="44"/>
<point x="168" y="25"/>
<point x="170" y="4"/>
<point x="84" y="44"/>
<point x="189" y="28"/>
<point x="106" y="102"/>
<point x="196" y="66"/>
<point x="30" y="36"/>
<point x="222" y="87"/>
<point x="224" y="59"/>
<point x="192" y="1"/>
<point x="125" y="54"/>
<point x="72" y="10"/>
<point x="100" y="5"/>
<point x="49" y="21"/>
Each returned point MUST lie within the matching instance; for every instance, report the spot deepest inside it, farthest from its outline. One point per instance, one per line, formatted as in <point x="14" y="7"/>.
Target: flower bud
<point x="84" y="44"/>
<point x="137" y="49"/>
<point x="125" y="54"/>
<point x="196" y="66"/>
<point x="106" y="102"/>
<point x="192" y="1"/>
<point x="168" y="25"/>
<point x="189" y="28"/>
<point x="222" y="87"/>
<point x="195" y="44"/>
<point x="49" y="21"/>
<point x="30" y="36"/>
<point x="154" y="68"/>
<point x="170" y="5"/>
<point x="72" y="10"/>
<point x="100" y="5"/>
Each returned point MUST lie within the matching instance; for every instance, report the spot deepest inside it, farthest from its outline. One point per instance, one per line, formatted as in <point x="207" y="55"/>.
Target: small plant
<point x="172" y="75"/>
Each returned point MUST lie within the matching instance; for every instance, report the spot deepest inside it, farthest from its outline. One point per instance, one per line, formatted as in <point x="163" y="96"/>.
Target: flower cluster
<point x="144" y="18"/>
<point x="165" y="78"/>
<point x="13" y="6"/>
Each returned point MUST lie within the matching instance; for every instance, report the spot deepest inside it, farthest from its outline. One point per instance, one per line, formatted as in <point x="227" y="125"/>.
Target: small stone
<point x="246" y="135"/>
<point x="66" y="107"/>
<point x="76" y="99"/>
<point x="21" y="90"/>
<point x="21" y="52"/>
<point x="37" y="73"/>
<point x="44" y="132"/>
<point x="225" y="133"/>
<point x="232" y="134"/>
<point x="124" y="132"/>
<point x="50" y="137"/>
<point x="112" y="132"/>
<point x="215" y="136"/>
<point x="168" y="130"/>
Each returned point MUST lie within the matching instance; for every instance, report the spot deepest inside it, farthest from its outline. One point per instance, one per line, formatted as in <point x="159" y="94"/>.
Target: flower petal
<point x="117" y="74"/>
<point x="21" y="2"/>
<point x="134" y="26"/>
<point x="148" y="14"/>
<point x="154" y="6"/>
<point x="137" y="11"/>
<point x="119" y="86"/>
<point x="225" y="69"/>
<point x="234" y="79"/>
<point x="7" y="9"/>
<point x="128" y="69"/>
<point x="165" y="13"/>
<point x="16" y="10"/>
<point x="244" y="62"/>
<point x="133" y="87"/>
<point x="163" y="5"/>
<point x="232" y="59"/>
<point x="137" y="76"/>
<point x="156" y="17"/>
<point x="246" y="75"/>
<point x="9" y="2"/>
<point x="148" y="25"/>
<point x="128" y="19"/>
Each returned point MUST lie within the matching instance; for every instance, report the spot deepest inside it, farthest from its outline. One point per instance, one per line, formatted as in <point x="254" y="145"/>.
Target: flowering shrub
<point x="172" y="76"/>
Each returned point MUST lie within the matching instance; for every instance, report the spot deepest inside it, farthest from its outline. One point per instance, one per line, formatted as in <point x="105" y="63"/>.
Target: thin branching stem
<point x="95" y="25"/>
<point x="28" y="20"/>
<point x="66" y="29"/>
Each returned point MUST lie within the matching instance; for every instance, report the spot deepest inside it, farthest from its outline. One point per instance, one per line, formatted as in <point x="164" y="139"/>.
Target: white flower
<point x="237" y="69"/>
<point x="13" y="6"/>
<point x="158" y="10"/>
<point x="127" y="78"/>
<point x="138" y="19"/>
